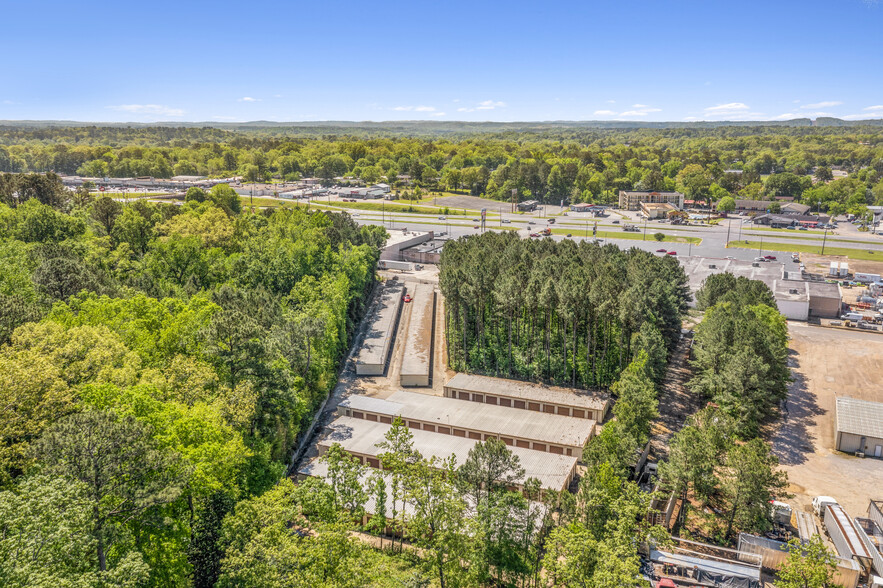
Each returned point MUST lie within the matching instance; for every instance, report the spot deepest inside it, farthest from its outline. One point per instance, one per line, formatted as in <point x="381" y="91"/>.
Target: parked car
<point x="672" y="253"/>
<point x="802" y="229"/>
<point x="477" y="227"/>
<point x="406" y="298"/>
<point x="770" y="257"/>
<point x="760" y="259"/>
<point x="790" y="227"/>
<point x="534" y="234"/>
<point x="506" y="220"/>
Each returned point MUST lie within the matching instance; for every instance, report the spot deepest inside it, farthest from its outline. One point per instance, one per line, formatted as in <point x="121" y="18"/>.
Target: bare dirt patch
<point x="827" y="363"/>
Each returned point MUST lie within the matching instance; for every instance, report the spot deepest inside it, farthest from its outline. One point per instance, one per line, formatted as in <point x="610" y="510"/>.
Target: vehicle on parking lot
<point x="790" y="227"/>
<point x="672" y="253"/>
<point x="662" y="251"/>
<point x="770" y="257"/>
<point x="802" y="229"/>
<point x="476" y="220"/>
<point x="820" y="502"/>
<point x="760" y="259"/>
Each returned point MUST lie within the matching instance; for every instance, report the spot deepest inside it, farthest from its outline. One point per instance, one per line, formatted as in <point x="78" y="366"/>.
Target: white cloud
<point x="490" y="105"/>
<point x="414" y="108"/>
<point x="611" y="102"/>
<point x="729" y="108"/>
<point x="485" y="105"/>
<point x="438" y="114"/>
<point x="248" y="99"/>
<point x="877" y="107"/>
<point x="640" y="110"/>
<point x="691" y="118"/>
<point x="277" y="95"/>
<point x="157" y="109"/>
<point x="787" y="116"/>
<point x="865" y="116"/>
<point x="795" y="102"/>
<point x="828" y="104"/>
<point x="604" y="113"/>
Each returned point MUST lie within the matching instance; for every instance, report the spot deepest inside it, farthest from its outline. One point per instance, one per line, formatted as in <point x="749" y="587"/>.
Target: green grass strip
<point x="860" y="254"/>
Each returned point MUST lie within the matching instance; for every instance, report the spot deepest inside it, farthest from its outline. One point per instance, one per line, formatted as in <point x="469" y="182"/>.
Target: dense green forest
<point x="157" y="363"/>
<point x="546" y="162"/>
<point x="567" y="312"/>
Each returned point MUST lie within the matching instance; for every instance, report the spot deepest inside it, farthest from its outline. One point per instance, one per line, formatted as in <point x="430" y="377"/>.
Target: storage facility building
<point x="417" y="361"/>
<point x="859" y="426"/>
<point x="551" y="400"/>
<point x="518" y="428"/>
<point x="361" y="438"/>
<point x="378" y="342"/>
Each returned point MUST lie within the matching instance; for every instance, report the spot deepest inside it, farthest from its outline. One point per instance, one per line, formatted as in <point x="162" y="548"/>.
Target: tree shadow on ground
<point x="792" y="440"/>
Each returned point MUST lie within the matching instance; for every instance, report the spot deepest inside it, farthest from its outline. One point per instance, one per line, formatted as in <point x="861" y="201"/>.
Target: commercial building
<point x="361" y="438"/>
<point x="656" y="210"/>
<point x="859" y="427"/>
<point x="588" y="207"/>
<point x="527" y="206"/>
<point x="518" y="428"/>
<point x="512" y="393"/>
<point x="417" y="361"/>
<point x="401" y="240"/>
<point x="797" y="299"/>
<point x="743" y="205"/>
<point x="425" y="252"/>
<point x="378" y="342"/>
<point x="629" y="200"/>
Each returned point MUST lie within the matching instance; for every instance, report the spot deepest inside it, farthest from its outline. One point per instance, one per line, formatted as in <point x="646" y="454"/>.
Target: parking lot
<point x="827" y="363"/>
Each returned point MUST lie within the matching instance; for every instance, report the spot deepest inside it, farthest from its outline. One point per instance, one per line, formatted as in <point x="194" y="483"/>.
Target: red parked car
<point x="406" y="298"/>
<point x="662" y="251"/>
<point x="672" y="253"/>
<point x="770" y="257"/>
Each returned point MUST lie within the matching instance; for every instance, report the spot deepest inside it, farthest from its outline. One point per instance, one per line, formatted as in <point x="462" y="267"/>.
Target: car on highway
<point x="476" y="220"/>
<point x="615" y="222"/>
<point x="760" y="259"/>
<point x="441" y="218"/>
<point x="407" y="298"/>
<point x="534" y="234"/>
<point x="569" y="235"/>
<point x="506" y="220"/>
<point x="662" y="251"/>
<point x="770" y="257"/>
<point x="672" y="253"/>
<point x="551" y="221"/>
<point x="530" y="222"/>
<point x="802" y="229"/>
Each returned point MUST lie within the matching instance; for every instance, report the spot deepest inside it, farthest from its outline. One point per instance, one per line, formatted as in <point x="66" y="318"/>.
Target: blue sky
<point x="650" y="60"/>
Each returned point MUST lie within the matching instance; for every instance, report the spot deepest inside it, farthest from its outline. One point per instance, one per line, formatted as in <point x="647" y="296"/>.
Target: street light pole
<point x="824" y="240"/>
<point x="645" y="229"/>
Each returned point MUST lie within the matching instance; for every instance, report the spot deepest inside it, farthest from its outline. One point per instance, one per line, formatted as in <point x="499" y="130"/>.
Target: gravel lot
<point x="828" y="362"/>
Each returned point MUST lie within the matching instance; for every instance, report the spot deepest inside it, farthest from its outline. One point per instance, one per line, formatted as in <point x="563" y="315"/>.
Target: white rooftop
<point x="496" y="420"/>
<point x="362" y="437"/>
<point x="860" y="417"/>
<point x="528" y="391"/>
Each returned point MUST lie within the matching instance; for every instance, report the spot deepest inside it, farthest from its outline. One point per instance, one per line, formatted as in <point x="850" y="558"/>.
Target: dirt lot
<point x="820" y="264"/>
<point x="826" y="363"/>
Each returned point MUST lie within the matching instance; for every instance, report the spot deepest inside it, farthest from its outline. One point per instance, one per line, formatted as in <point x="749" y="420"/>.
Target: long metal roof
<point x="528" y="391"/>
<point x="375" y="348"/>
<point x="418" y="342"/>
<point x="860" y="417"/>
<point x="487" y="418"/>
<point x="362" y="437"/>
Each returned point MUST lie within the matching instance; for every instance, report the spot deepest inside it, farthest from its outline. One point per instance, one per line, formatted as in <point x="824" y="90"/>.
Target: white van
<point x="820" y="502"/>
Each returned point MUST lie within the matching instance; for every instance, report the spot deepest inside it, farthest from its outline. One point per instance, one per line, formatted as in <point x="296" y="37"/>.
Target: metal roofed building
<point x="360" y="438"/>
<point x="375" y="349"/>
<point x="518" y="428"/>
<point x="551" y="400"/>
<point x="318" y="469"/>
<point x="859" y="426"/>
<point x="417" y="360"/>
<point x="631" y="200"/>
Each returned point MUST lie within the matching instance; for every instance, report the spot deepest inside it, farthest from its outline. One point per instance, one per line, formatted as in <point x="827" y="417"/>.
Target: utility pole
<point x="645" y="229"/>
<point x="824" y="240"/>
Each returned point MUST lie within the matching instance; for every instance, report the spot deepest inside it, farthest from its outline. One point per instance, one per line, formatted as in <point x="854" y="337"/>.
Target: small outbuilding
<point x="859" y="427"/>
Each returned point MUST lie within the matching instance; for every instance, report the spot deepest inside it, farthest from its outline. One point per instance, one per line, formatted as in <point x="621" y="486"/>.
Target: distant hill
<point x="422" y="126"/>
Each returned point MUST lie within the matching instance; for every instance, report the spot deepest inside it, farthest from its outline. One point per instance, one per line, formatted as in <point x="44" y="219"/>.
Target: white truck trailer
<point x="404" y="266"/>
<point x="846" y="537"/>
